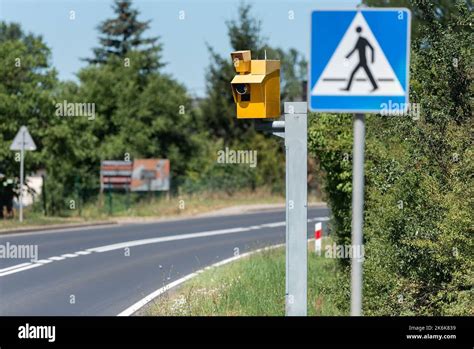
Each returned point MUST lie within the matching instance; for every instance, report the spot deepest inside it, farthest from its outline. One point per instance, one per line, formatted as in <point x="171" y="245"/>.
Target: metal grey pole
<point x="22" y="155"/>
<point x="296" y="208"/>
<point x="357" y="214"/>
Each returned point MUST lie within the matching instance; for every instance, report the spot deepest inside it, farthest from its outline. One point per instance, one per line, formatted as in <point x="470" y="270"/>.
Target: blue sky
<point x="183" y="40"/>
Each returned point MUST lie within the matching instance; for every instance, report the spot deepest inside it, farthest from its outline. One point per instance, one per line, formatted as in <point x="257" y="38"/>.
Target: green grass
<point x="251" y="286"/>
<point x="184" y="205"/>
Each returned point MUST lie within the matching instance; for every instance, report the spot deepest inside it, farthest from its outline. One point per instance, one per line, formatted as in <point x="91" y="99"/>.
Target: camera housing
<point x="241" y="60"/>
<point x="256" y="87"/>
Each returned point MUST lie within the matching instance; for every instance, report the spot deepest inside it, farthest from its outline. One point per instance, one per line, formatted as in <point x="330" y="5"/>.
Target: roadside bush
<point x="207" y="174"/>
<point x="419" y="246"/>
<point x="330" y="141"/>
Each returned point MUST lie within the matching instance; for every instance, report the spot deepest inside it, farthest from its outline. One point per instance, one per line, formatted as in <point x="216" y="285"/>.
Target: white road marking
<point x="273" y="225"/>
<point x="106" y="248"/>
<point x="21" y="269"/>
<point x="55" y="258"/>
<point x="14" y="267"/>
<point x="44" y="261"/>
<point x="319" y="219"/>
<point x="132" y="243"/>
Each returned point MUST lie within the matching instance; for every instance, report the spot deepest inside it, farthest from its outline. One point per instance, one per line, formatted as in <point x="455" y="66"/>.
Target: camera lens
<point x="241" y="89"/>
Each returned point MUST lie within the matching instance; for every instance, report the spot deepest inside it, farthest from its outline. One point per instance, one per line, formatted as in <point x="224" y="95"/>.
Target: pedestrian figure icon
<point x="360" y="46"/>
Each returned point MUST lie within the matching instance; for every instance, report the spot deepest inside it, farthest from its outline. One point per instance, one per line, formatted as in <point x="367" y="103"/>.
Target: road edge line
<point x="54" y="228"/>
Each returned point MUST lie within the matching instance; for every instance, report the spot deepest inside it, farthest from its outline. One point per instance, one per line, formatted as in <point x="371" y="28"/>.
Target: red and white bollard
<point x="318" y="234"/>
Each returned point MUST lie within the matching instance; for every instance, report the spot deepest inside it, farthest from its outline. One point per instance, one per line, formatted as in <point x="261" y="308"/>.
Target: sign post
<point x="22" y="166"/>
<point x="357" y="213"/>
<point x="22" y="142"/>
<point x="115" y="175"/>
<point x="359" y="64"/>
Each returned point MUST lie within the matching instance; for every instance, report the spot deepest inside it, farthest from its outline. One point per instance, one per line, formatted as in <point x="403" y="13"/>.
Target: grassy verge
<point x="155" y="207"/>
<point x="252" y="286"/>
<point x="33" y="219"/>
<point x="184" y="205"/>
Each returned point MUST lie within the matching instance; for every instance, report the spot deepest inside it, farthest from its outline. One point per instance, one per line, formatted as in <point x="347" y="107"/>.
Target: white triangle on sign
<point x="23" y="137"/>
<point x="336" y="75"/>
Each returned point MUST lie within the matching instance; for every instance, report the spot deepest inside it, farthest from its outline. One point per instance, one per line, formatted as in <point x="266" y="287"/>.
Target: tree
<point x="444" y="10"/>
<point x="26" y="85"/>
<point x="218" y="108"/>
<point x="418" y="223"/>
<point x="294" y="74"/>
<point x="140" y="111"/>
<point x="246" y="32"/>
<point x="123" y="34"/>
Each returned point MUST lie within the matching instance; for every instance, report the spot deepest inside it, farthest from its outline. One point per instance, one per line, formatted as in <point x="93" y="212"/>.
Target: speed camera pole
<point x="357" y="214"/>
<point x="296" y="208"/>
<point x="256" y="92"/>
<point x="294" y="130"/>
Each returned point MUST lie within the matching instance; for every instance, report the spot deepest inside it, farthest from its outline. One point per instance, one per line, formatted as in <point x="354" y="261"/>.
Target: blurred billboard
<point x="151" y="175"/>
<point x="115" y="174"/>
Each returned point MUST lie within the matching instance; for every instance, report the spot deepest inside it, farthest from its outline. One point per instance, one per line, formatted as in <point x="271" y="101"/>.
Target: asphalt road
<point x="104" y="270"/>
